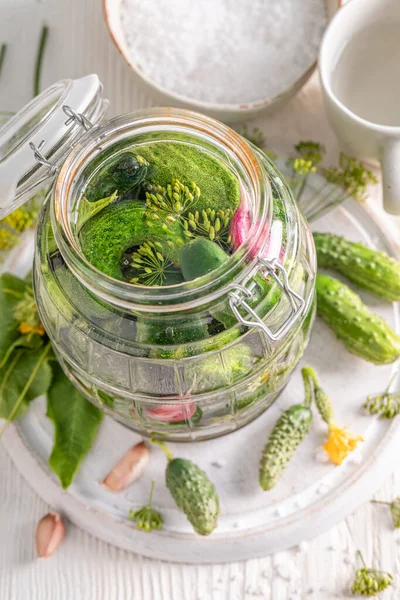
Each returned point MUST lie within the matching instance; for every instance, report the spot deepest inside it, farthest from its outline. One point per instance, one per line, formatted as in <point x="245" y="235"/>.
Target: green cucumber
<point x="126" y="171"/>
<point x="192" y="491"/>
<point x="201" y="256"/>
<point x="372" y="270"/>
<point x="122" y="225"/>
<point x="69" y="296"/>
<point x="217" y="371"/>
<point x="288" y="433"/>
<point x="170" y="338"/>
<point x="362" y="332"/>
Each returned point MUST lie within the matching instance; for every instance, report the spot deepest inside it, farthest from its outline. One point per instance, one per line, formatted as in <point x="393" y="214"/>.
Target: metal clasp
<point x="73" y="116"/>
<point x="240" y="295"/>
<point x="40" y="157"/>
<point x="78" y="118"/>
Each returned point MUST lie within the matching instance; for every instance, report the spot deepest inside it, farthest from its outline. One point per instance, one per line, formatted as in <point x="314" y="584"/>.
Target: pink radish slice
<point x="171" y="413"/>
<point x="240" y="230"/>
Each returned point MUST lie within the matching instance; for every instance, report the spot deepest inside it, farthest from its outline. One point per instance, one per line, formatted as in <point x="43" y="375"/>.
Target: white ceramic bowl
<point x="224" y="112"/>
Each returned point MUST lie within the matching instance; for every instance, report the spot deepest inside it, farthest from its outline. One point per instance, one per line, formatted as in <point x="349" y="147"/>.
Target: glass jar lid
<point x="35" y="142"/>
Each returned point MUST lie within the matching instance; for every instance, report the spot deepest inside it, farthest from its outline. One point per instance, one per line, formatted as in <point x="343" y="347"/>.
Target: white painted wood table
<point x="85" y="568"/>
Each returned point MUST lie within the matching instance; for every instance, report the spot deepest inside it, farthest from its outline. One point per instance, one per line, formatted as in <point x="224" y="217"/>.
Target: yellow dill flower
<point x="25" y="328"/>
<point x="25" y="312"/>
<point x="8" y="239"/>
<point x="340" y="443"/>
<point x="20" y="219"/>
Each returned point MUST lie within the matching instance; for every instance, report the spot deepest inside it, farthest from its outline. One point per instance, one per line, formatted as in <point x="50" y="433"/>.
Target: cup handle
<point x="390" y="162"/>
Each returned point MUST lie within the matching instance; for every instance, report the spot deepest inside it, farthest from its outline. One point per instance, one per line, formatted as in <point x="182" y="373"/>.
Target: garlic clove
<point x="129" y="468"/>
<point x="49" y="534"/>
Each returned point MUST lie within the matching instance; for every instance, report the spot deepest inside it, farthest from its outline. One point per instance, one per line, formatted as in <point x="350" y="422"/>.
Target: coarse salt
<point x="224" y="51"/>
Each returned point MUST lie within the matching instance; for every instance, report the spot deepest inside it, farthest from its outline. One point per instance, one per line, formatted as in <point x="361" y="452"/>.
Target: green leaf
<point x="26" y="376"/>
<point x="76" y="422"/>
<point x="32" y="341"/>
<point x="11" y="292"/>
<point x="87" y="209"/>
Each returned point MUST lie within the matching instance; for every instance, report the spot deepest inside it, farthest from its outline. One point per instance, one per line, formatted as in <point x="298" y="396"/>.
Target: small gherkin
<point x="288" y="433"/>
<point x="368" y="268"/>
<point x="192" y="491"/>
<point x="321" y="398"/>
<point x="362" y="332"/>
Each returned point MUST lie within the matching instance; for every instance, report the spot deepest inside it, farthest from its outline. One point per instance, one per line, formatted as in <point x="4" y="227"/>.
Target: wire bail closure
<point x="40" y="157"/>
<point x="73" y="117"/>
<point x="240" y="295"/>
<point x="78" y="118"/>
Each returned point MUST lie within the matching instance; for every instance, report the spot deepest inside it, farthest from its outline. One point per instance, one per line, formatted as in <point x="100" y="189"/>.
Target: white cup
<point x="366" y="139"/>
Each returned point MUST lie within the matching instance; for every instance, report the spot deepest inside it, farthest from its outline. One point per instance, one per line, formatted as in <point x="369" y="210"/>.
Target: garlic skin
<point x="49" y="534"/>
<point x="129" y="468"/>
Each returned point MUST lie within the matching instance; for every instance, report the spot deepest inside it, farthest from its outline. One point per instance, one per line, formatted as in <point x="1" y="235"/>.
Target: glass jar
<point x="193" y="360"/>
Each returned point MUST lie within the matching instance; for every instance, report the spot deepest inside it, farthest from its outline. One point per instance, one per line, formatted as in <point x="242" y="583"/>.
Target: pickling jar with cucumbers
<point x="173" y="271"/>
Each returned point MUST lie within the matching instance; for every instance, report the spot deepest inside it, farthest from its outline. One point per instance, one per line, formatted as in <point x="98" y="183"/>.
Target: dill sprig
<point x="150" y="265"/>
<point x="350" y="179"/>
<point x="394" y="509"/>
<point x="147" y="518"/>
<point x="39" y="59"/>
<point x="309" y="155"/>
<point x="174" y="200"/>
<point x="210" y="224"/>
<point x="386" y="404"/>
<point x="369" y="582"/>
<point x="351" y="175"/>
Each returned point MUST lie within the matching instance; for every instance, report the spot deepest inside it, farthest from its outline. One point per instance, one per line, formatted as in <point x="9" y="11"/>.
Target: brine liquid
<point x="367" y="75"/>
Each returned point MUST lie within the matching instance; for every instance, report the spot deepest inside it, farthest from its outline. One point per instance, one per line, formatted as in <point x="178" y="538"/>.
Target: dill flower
<point x="369" y="582"/>
<point x="147" y="518"/>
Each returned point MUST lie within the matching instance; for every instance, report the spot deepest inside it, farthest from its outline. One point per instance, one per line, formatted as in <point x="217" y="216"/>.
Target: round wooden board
<point x="311" y="497"/>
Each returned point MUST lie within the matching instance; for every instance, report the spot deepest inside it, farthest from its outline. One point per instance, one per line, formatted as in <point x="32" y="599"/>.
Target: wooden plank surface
<point x="85" y="568"/>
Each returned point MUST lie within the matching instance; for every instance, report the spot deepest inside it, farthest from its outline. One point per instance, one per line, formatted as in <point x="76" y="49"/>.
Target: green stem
<point x="326" y="192"/>
<point x="26" y="388"/>
<point x="39" y="60"/>
<point x="361" y="558"/>
<point x="393" y="377"/>
<point x="302" y="188"/>
<point x="8" y="353"/>
<point x="153" y="483"/>
<point x="9" y="370"/>
<point x="308" y="389"/>
<point x="14" y="293"/>
<point x="3" y="50"/>
<point x="380" y="502"/>
<point x="310" y="372"/>
<point x="164" y="448"/>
